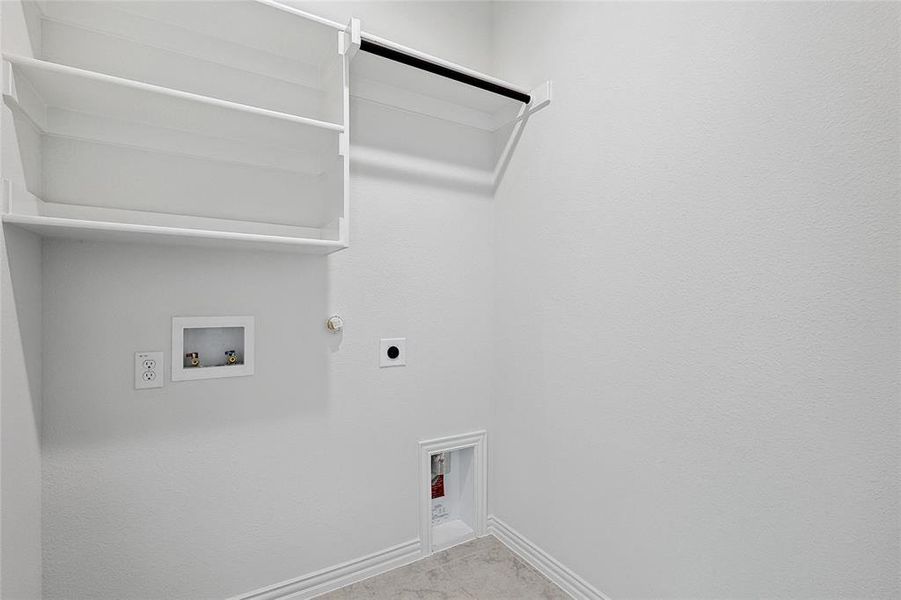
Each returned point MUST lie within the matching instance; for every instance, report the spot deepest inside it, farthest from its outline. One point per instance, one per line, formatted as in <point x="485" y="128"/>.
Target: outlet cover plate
<point x="386" y="352"/>
<point x="148" y="370"/>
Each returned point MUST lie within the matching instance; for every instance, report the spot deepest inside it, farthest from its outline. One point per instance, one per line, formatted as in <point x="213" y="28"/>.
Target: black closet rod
<point x="425" y="65"/>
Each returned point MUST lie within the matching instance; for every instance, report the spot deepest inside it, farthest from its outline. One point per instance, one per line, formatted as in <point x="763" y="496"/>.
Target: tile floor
<point x="484" y="569"/>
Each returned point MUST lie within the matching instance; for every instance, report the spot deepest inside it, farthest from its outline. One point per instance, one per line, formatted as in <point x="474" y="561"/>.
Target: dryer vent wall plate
<point x="393" y="352"/>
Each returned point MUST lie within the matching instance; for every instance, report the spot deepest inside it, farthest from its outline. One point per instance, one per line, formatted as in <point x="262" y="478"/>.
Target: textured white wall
<point x="20" y="415"/>
<point x="20" y="363"/>
<point x="209" y="489"/>
<point x="713" y="194"/>
<point x="697" y="298"/>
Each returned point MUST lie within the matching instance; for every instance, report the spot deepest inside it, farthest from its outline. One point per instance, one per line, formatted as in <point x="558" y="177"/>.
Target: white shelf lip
<point x="199" y="234"/>
<point x="20" y="207"/>
<point x="51" y="67"/>
<point x="442" y="62"/>
<point x="303" y="14"/>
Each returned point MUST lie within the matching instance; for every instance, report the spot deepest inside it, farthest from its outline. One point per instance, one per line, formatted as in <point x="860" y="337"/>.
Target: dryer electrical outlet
<point x="148" y="370"/>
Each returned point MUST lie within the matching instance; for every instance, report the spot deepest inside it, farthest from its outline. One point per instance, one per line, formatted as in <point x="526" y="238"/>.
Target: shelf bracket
<point x="541" y="97"/>
<point x="9" y="82"/>
<point x="19" y="201"/>
<point x="348" y="45"/>
<point x="7" y="207"/>
<point x="349" y="40"/>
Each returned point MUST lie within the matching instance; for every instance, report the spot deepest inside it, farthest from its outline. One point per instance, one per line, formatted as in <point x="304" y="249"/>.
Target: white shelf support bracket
<point x="349" y="42"/>
<point x="354" y="37"/>
<point x="541" y="97"/>
<point x="9" y="82"/>
<point x="349" y="39"/>
<point x="7" y="196"/>
<point x="348" y="45"/>
<point x="19" y="201"/>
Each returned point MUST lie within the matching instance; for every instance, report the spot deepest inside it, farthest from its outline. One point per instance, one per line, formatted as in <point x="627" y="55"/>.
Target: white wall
<point x="20" y="361"/>
<point x="713" y="197"/>
<point x="697" y="298"/>
<point x="20" y="415"/>
<point x="209" y="489"/>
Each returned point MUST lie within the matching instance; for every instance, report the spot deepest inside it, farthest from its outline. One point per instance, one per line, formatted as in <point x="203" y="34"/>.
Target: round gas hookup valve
<point x="334" y="323"/>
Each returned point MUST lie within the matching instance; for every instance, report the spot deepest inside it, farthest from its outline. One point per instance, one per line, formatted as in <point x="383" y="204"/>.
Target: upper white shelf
<point x="43" y="89"/>
<point x="243" y="34"/>
<point x="378" y="79"/>
<point x="210" y="122"/>
<point x="189" y="122"/>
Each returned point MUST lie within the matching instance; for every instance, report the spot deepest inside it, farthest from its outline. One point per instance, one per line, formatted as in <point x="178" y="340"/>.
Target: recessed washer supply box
<point x="211" y="347"/>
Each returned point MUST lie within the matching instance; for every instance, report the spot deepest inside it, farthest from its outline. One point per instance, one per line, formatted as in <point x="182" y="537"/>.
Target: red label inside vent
<point x="437" y="486"/>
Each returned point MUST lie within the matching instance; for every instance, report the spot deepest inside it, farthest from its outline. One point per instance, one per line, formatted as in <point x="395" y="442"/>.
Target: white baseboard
<point x="332" y="578"/>
<point x="547" y="565"/>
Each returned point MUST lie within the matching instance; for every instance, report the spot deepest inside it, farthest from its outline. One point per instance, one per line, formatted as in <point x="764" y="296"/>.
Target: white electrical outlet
<point x="393" y="352"/>
<point x="148" y="370"/>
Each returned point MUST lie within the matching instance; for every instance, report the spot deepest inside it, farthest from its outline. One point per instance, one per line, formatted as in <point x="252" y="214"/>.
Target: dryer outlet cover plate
<point x="393" y="352"/>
